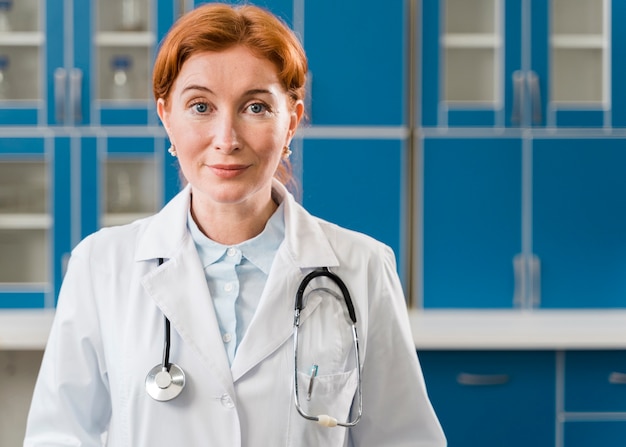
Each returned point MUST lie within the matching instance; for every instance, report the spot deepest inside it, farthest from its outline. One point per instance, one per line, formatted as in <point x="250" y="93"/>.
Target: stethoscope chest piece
<point x="163" y="384"/>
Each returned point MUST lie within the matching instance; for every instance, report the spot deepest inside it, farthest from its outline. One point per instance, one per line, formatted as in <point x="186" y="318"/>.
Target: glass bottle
<point x="121" y="65"/>
<point x="5" y="8"/>
<point x="131" y="20"/>
<point x="4" y="86"/>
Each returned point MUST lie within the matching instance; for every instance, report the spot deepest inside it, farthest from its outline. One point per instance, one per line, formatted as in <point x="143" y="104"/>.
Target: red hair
<point x="217" y="27"/>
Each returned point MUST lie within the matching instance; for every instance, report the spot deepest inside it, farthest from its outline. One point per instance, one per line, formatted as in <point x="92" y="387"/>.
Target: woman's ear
<point x="163" y="113"/>
<point x="296" y="116"/>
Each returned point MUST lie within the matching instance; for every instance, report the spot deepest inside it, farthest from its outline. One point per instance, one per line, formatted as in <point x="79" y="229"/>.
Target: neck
<point x="232" y="224"/>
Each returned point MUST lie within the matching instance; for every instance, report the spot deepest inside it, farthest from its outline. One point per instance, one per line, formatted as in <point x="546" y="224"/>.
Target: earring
<point x="172" y="150"/>
<point x="286" y="153"/>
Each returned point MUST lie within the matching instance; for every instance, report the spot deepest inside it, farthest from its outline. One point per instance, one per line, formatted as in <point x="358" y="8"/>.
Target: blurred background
<point x="483" y="140"/>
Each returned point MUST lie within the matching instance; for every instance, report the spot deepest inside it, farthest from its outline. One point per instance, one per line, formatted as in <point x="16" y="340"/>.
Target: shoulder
<point x="353" y="245"/>
<point x="118" y="241"/>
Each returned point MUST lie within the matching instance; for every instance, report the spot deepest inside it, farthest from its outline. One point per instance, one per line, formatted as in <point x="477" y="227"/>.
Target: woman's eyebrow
<point x="197" y="87"/>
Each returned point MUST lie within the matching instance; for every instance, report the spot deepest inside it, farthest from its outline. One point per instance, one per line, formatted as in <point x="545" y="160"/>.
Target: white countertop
<point x="432" y="329"/>
<point x="516" y="329"/>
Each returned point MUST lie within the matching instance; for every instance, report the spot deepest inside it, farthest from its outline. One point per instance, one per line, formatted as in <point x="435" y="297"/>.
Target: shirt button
<point x="227" y="337"/>
<point x="231" y="251"/>
<point x="228" y="287"/>
<point x="227" y="401"/>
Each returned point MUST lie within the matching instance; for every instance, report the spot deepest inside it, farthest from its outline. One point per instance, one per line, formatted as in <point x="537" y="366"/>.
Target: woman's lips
<point x="228" y="171"/>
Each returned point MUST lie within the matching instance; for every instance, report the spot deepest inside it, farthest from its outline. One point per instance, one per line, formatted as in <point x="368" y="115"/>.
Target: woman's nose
<point x="225" y="134"/>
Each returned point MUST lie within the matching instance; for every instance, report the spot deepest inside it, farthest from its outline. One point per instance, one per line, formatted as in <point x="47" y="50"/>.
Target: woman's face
<point x="229" y="118"/>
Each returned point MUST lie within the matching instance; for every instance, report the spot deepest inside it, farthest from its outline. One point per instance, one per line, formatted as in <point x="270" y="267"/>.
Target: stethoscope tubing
<point x="324" y="419"/>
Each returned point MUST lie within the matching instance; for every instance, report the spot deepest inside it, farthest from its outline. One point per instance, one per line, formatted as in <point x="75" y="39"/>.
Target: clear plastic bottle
<point x="5" y="8"/>
<point x="121" y="66"/>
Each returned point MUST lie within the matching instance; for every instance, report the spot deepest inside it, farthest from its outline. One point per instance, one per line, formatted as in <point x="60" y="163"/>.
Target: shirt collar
<point x="259" y="250"/>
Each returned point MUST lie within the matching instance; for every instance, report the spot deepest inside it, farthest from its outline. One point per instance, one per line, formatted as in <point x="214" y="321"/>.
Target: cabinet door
<point x="493" y="399"/>
<point x="594" y="398"/>
<point x="125" y="177"/>
<point x="471" y="221"/>
<point x="519" y="63"/>
<point x="471" y="60"/>
<point x="595" y="382"/>
<point x="34" y="218"/>
<point x="30" y="44"/>
<point x="359" y="184"/>
<point x="113" y="48"/>
<point x="357" y="62"/>
<point x="579" y="216"/>
<point x="587" y="433"/>
<point x="571" y="57"/>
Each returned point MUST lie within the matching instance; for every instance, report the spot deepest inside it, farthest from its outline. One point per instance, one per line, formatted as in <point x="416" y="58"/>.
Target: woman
<point x="222" y="262"/>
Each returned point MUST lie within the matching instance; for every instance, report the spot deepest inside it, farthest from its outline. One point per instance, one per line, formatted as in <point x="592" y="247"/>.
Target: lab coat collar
<point x="305" y="241"/>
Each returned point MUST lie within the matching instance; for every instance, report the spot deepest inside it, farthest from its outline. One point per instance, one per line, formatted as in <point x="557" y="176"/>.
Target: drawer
<point x="595" y="381"/>
<point x="482" y="397"/>
<point x="595" y="433"/>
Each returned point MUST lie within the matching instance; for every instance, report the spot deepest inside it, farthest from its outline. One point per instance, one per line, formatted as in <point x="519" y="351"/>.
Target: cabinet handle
<point x="76" y="82"/>
<point x="527" y="281"/>
<point x="617" y="378"/>
<point x="518" y="92"/>
<point x="60" y="77"/>
<point x="535" y="96"/>
<point x="482" y="379"/>
<point x="535" y="281"/>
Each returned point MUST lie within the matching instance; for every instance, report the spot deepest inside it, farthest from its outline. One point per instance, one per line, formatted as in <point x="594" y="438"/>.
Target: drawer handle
<point x="617" y="378"/>
<point x="482" y="379"/>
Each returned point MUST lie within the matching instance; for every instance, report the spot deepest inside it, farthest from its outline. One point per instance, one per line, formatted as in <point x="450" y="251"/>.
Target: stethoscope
<point x="166" y="380"/>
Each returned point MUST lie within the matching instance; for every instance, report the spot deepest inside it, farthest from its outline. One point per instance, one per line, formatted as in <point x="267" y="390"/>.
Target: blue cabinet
<point x="81" y="147"/>
<point x="492" y="399"/>
<point x="471" y="221"/>
<point x="357" y="59"/>
<point x="523" y="196"/>
<point x="73" y="63"/>
<point x="522" y="63"/>
<point x="593" y="411"/>
<point x="578" y="221"/>
<point x="34" y="217"/>
<point x="371" y="198"/>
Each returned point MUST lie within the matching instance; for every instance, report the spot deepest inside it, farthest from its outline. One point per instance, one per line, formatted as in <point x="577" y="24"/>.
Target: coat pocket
<point x="331" y="395"/>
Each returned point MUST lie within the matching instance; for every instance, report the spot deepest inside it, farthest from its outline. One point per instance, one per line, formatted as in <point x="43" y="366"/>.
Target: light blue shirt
<point x="236" y="275"/>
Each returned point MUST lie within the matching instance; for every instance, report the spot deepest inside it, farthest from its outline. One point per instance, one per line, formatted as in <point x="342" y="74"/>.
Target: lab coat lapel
<point x="305" y="247"/>
<point x="179" y="288"/>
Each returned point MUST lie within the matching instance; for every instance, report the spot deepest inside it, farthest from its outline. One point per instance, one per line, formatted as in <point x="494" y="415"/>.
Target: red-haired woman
<point x="206" y="289"/>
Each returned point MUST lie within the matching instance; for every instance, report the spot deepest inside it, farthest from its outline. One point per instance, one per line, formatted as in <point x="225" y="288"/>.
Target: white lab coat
<point x="108" y="333"/>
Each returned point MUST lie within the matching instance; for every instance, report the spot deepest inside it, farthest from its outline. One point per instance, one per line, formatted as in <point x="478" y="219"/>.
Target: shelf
<point x="125" y="39"/>
<point x="471" y="41"/>
<point x="578" y="41"/>
<point x="518" y="330"/>
<point x="17" y="221"/>
<point x="25" y="329"/>
<point x="21" y="39"/>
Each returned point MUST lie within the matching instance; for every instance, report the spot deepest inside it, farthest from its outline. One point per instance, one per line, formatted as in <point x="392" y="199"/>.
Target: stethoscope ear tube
<point x="324" y="271"/>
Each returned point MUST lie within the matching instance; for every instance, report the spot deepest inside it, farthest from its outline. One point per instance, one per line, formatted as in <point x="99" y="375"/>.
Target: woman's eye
<point x="200" y="107"/>
<point x="257" y="108"/>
